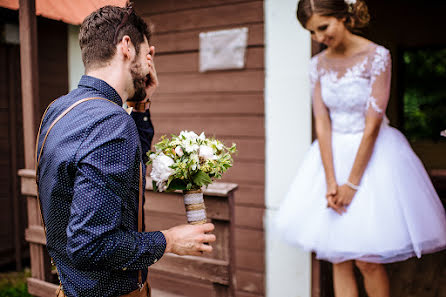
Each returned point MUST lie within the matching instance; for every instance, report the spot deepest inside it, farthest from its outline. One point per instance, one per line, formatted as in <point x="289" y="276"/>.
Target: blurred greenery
<point x="13" y="284"/>
<point x="424" y="94"/>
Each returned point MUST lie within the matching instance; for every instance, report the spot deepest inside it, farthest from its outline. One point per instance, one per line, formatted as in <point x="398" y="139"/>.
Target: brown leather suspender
<point x="39" y="155"/>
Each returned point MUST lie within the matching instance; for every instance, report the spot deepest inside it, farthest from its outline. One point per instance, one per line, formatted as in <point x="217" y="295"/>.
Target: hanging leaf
<point x="201" y="179"/>
<point x="177" y="184"/>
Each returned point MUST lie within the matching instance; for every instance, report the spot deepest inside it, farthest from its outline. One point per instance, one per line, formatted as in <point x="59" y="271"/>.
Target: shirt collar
<point x="102" y="87"/>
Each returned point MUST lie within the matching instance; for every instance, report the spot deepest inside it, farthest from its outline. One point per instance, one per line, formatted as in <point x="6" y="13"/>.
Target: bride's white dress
<point x="396" y="213"/>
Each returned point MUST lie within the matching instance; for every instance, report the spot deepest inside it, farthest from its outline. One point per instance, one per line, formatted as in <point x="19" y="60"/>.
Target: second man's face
<point x="139" y="71"/>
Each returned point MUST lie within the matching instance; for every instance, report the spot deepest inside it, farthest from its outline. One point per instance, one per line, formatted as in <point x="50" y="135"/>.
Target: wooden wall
<point x="226" y="104"/>
<point x="53" y="82"/>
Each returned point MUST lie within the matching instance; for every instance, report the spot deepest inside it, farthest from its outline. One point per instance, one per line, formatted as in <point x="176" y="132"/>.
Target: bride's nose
<point x="319" y="37"/>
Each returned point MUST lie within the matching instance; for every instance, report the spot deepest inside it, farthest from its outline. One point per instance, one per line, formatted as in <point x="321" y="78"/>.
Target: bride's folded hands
<point x="344" y="197"/>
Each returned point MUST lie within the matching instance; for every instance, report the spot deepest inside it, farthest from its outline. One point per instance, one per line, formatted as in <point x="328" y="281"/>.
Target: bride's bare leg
<point x="376" y="281"/>
<point x="344" y="280"/>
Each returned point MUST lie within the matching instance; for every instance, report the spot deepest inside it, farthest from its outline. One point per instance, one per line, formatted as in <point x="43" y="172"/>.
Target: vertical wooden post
<point x="30" y="92"/>
<point x="315" y="264"/>
<point x="315" y="277"/>
<point x="232" y="258"/>
<point x="29" y="70"/>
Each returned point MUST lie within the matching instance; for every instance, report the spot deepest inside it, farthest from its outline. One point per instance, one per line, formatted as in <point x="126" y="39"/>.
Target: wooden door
<point x="12" y="208"/>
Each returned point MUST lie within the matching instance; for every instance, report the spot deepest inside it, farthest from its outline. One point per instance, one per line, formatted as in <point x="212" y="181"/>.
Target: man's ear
<point x="127" y="49"/>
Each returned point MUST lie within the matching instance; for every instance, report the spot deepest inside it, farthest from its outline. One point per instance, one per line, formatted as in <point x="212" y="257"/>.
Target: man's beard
<point x="140" y="81"/>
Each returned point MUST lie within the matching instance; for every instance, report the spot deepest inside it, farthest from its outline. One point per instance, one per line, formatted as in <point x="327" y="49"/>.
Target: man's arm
<point x="104" y="179"/>
<point x="145" y="130"/>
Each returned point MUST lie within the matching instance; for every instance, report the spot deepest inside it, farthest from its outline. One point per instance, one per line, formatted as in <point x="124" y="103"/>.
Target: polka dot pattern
<point x="88" y="186"/>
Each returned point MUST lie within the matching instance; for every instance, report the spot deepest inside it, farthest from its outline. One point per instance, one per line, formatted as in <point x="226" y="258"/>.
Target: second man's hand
<point x="189" y="239"/>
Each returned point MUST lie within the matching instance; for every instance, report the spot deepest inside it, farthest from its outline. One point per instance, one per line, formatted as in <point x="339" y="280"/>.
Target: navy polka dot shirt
<point x="88" y="186"/>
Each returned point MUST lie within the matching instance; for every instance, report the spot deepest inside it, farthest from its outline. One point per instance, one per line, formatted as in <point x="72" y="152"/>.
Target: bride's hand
<point x="332" y="191"/>
<point x="344" y="197"/>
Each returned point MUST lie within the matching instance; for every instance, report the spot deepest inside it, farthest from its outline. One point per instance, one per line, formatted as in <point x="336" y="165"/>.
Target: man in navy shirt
<point x="89" y="168"/>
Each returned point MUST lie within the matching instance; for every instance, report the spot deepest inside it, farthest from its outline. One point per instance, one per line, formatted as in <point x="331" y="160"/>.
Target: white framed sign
<point x="222" y="50"/>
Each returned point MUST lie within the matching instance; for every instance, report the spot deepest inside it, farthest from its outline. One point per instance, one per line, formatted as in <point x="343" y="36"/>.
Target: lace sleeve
<point x="316" y="95"/>
<point x="381" y="73"/>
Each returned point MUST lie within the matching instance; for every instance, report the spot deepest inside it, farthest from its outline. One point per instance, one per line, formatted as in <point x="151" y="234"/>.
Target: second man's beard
<point x="140" y="82"/>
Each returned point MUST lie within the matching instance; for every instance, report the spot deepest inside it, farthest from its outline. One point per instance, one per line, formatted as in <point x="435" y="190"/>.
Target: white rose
<point x="206" y="152"/>
<point x="218" y="145"/>
<point x="161" y="170"/>
<point x="190" y="146"/>
<point x="202" y="136"/>
<point x="179" y="151"/>
<point x="350" y="2"/>
<point x="189" y="135"/>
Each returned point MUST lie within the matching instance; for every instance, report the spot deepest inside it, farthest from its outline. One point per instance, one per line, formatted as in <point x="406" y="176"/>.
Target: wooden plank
<point x="249" y="259"/>
<point x="250" y="281"/>
<point x="250" y="195"/>
<point x="247" y="294"/>
<point x="218" y="81"/>
<point x="37" y="287"/>
<point x="35" y="234"/>
<point x="179" y="285"/>
<point x="29" y="71"/>
<point x="249" y="216"/>
<point x="188" y="62"/>
<point x="246" y="173"/>
<point x="212" y="126"/>
<point x="196" y="267"/>
<point x="249" y="239"/>
<point x="163" y="6"/>
<point x="216" y="208"/>
<point x="246" y="103"/>
<point x="209" y="17"/>
<point x="28" y="185"/>
<point x="160" y="293"/>
<point x="188" y="41"/>
<point x="315" y="276"/>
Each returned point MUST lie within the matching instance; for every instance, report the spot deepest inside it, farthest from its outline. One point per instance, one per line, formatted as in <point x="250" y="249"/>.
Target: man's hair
<point x="104" y="28"/>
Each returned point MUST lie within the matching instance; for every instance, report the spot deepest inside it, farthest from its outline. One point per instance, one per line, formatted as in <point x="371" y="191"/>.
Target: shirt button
<point x="145" y="119"/>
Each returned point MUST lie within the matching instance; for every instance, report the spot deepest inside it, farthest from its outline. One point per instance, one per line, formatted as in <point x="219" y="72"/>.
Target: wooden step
<point x="159" y="293"/>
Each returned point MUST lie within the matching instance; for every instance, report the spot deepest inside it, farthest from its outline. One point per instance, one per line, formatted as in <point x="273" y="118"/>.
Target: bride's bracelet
<point x="352" y="186"/>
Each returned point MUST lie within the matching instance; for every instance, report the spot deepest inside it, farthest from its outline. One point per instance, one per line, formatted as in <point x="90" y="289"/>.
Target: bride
<point x="361" y="197"/>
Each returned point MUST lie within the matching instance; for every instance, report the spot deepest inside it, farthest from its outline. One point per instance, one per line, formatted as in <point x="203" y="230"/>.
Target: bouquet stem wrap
<point x="195" y="208"/>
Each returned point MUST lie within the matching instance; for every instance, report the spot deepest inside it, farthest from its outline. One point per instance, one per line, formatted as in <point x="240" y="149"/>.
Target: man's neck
<point x="112" y="77"/>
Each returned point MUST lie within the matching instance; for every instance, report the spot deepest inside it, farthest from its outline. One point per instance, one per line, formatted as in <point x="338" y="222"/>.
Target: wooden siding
<point x="53" y="82"/>
<point x="226" y="104"/>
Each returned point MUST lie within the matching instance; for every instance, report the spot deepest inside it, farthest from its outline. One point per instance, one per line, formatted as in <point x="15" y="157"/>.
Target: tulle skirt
<point x="396" y="213"/>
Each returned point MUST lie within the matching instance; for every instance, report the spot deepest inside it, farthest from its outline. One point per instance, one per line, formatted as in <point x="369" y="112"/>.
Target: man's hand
<point x="189" y="239"/>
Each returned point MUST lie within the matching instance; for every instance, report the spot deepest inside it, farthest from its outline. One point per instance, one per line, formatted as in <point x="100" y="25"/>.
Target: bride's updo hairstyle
<point x="356" y="13"/>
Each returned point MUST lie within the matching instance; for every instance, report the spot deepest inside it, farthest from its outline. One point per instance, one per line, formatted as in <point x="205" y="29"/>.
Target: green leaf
<point x="177" y="184"/>
<point x="169" y="181"/>
<point x="155" y="188"/>
<point x="201" y="179"/>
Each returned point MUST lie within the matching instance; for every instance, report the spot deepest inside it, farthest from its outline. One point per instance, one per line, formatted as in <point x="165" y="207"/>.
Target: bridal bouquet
<point x="188" y="162"/>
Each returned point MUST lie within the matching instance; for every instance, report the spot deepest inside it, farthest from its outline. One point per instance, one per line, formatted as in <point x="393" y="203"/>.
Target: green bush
<point x="13" y="284"/>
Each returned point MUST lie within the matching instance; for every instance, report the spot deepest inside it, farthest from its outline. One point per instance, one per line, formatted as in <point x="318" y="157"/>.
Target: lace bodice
<point x="349" y="89"/>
